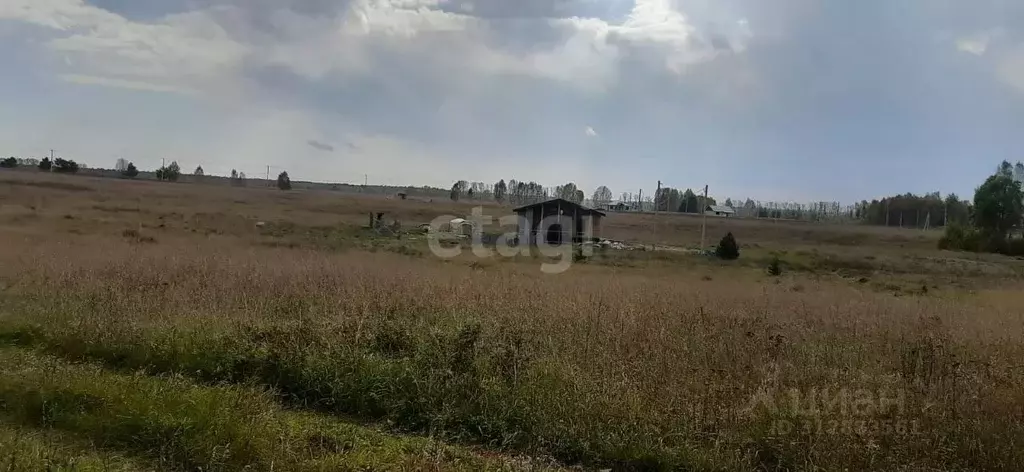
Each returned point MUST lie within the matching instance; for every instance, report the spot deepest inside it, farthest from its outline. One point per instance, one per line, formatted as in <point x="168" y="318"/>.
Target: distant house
<point x="719" y="210"/>
<point x="557" y="221"/>
<point x="620" y="206"/>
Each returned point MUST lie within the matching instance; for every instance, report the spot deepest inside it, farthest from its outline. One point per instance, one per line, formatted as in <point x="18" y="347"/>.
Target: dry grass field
<point x="149" y="326"/>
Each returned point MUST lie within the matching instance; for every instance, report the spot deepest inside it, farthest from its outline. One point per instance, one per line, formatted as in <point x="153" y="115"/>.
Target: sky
<point x="799" y="100"/>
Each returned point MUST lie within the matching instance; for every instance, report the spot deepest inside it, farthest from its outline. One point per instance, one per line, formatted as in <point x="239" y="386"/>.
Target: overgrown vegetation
<point x="9" y="163"/>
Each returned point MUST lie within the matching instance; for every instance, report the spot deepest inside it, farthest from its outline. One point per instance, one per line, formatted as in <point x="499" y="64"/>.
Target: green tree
<point x="65" y="166"/>
<point x="283" y="182"/>
<point x="690" y="202"/>
<point x="169" y="173"/>
<point x="602" y="197"/>
<point x="130" y="171"/>
<point x="727" y="248"/>
<point x="500" y="191"/>
<point x="458" y="188"/>
<point x="566" y="192"/>
<point x="1005" y="168"/>
<point x="45" y="164"/>
<point x="10" y="162"/>
<point x="998" y="205"/>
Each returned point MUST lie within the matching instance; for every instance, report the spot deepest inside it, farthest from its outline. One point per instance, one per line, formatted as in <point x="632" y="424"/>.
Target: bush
<point x="283" y="182"/>
<point x="775" y="267"/>
<point x="10" y="163"/>
<point x="727" y="248"/>
<point x="45" y="164"/>
<point x="961" y="238"/>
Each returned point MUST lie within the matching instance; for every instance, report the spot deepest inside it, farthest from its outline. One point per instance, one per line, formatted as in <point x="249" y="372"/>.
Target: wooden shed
<point x="557" y="221"/>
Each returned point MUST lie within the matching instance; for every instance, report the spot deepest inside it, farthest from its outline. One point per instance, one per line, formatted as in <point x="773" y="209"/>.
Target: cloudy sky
<point x="787" y="99"/>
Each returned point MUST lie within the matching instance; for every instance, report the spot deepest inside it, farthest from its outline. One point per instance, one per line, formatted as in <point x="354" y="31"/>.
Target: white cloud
<point x="979" y="43"/>
<point x="212" y="47"/>
<point x="589" y="131"/>
<point x="976" y="46"/>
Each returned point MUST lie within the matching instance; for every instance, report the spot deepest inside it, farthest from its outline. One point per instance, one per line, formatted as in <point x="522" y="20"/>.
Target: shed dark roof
<point x="562" y="202"/>
<point x="721" y="209"/>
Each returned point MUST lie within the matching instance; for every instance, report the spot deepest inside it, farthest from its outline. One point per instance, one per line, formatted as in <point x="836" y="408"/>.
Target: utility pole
<point x="704" y="219"/>
<point x="268" y="175"/>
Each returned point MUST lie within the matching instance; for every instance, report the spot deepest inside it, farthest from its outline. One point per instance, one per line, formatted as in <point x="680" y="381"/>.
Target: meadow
<point x="156" y="326"/>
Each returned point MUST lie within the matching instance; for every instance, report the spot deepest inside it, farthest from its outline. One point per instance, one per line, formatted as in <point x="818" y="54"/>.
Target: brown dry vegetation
<point x="872" y="351"/>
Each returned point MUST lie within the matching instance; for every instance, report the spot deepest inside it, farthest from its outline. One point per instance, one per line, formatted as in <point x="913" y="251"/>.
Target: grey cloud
<point x="320" y="146"/>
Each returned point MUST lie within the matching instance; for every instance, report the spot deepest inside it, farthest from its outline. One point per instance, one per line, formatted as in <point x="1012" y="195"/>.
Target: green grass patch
<point x="183" y="426"/>
<point x="447" y="382"/>
<point x="31" y="450"/>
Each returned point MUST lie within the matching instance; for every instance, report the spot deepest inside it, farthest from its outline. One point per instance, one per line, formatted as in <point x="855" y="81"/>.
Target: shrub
<point x="961" y="238"/>
<point x="45" y="164"/>
<point x="10" y="163"/>
<point x="775" y="267"/>
<point x="283" y="182"/>
<point x="727" y="248"/>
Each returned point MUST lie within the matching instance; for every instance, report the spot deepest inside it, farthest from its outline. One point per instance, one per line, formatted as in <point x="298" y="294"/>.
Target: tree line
<point x="914" y="210"/>
<point x="46" y="164"/>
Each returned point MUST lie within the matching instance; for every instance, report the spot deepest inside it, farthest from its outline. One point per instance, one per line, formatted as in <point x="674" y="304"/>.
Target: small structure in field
<point x="461" y="226"/>
<point x="557" y="221"/>
<point x="719" y="210"/>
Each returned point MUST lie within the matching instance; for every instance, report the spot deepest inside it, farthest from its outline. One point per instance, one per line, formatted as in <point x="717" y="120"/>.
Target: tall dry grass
<point x="612" y="368"/>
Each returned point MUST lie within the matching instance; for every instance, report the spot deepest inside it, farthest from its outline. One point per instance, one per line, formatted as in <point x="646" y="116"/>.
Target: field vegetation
<point x="159" y="325"/>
